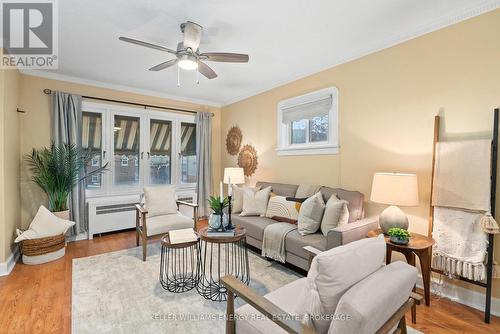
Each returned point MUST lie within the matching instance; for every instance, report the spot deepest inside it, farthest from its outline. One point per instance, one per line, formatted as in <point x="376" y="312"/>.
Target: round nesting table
<point x="179" y="265"/>
<point x="220" y="256"/>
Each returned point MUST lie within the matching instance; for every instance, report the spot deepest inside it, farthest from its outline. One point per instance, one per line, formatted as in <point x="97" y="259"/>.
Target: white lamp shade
<point x="395" y="189"/>
<point x="236" y="175"/>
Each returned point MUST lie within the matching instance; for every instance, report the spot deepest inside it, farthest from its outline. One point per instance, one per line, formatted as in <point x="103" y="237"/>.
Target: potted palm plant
<point x="56" y="169"/>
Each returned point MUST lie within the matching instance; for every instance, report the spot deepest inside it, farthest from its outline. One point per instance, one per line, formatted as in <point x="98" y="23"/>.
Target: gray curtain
<point x="204" y="160"/>
<point x="67" y="129"/>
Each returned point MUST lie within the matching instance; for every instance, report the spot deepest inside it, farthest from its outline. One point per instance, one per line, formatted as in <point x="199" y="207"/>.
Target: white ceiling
<point x="286" y="39"/>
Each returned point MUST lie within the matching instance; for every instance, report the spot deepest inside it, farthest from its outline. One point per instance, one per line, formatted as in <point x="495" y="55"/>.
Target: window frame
<point x="108" y="112"/>
<point x="284" y="134"/>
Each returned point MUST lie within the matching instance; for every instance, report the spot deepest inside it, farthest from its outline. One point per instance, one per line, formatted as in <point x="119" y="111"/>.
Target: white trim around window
<point x="284" y="130"/>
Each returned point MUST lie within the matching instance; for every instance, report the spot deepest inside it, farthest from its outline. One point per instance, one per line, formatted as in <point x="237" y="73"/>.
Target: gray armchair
<point x="365" y="303"/>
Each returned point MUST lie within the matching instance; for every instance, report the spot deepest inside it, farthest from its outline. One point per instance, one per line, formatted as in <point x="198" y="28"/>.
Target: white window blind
<point x="308" y="110"/>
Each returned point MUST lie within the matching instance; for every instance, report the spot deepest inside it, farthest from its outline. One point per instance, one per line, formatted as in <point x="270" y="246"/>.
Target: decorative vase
<point x="214" y="221"/>
<point x="400" y="241"/>
<point x="62" y="214"/>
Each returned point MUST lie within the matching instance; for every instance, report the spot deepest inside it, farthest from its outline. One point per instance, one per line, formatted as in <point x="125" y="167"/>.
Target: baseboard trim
<point x="461" y="295"/>
<point x="7" y="266"/>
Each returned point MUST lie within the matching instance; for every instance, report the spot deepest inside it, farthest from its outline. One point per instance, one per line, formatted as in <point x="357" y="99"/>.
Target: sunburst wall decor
<point x="247" y="159"/>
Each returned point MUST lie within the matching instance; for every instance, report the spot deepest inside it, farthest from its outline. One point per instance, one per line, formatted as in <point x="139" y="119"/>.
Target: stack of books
<point x="219" y="233"/>
<point x="181" y="236"/>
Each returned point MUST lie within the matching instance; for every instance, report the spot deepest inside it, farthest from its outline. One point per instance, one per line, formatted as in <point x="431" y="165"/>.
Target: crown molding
<point x="123" y="88"/>
<point x="443" y="22"/>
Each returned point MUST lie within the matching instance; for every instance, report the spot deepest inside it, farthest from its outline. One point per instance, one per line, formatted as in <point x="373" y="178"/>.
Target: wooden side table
<point x="419" y="245"/>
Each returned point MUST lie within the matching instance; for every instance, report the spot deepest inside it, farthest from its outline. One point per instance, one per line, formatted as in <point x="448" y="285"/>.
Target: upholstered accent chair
<point x="348" y="289"/>
<point x="159" y="214"/>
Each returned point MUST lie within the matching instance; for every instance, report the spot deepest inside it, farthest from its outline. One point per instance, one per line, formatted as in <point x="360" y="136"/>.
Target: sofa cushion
<point x="255" y="202"/>
<point x="162" y="224"/>
<point x="306" y="190"/>
<point x="252" y="321"/>
<point x="354" y="198"/>
<point x="237" y="198"/>
<point x="254" y="225"/>
<point x="280" y="208"/>
<point x="281" y="189"/>
<point x="295" y="242"/>
<point x="336" y="214"/>
<point x="372" y="301"/>
<point x="310" y="214"/>
<point x="335" y="271"/>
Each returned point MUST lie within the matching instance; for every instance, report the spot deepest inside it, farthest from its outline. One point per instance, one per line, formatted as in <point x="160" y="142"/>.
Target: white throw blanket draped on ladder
<point x="461" y="200"/>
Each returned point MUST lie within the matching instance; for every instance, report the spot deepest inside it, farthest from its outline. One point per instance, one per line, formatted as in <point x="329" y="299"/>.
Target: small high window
<point x="308" y="124"/>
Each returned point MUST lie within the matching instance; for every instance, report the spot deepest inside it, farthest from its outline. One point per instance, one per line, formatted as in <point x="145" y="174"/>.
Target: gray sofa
<point x="357" y="228"/>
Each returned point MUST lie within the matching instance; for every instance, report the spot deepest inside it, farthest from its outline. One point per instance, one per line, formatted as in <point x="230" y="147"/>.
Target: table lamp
<point x="232" y="175"/>
<point x="394" y="189"/>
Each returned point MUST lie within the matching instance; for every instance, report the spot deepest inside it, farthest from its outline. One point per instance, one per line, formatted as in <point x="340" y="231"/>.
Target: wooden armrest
<point x="311" y="251"/>
<point x="193" y="205"/>
<point x="396" y="317"/>
<point x="267" y="308"/>
<point x="417" y="298"/>
<point x="139" y="208"/>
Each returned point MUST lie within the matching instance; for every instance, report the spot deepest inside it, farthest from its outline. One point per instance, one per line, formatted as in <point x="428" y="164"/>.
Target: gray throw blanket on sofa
<point x="273" y="242"/>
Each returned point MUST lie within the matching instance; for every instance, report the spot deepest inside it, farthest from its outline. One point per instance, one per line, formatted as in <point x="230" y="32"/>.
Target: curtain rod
<point x="49" y="91"/>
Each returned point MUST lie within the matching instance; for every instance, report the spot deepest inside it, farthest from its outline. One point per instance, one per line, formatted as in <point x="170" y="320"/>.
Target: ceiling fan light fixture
<point x="188" y="62"/>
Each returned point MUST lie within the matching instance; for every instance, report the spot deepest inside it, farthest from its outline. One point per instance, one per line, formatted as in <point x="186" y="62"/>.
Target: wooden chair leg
<point x="144" y="248"/>
<point x="402" y="325"/>
<point x="230" y="324"/>
<point x="137" y="237"/>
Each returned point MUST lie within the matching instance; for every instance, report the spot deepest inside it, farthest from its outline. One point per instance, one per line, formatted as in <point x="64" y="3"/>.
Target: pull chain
<point x="178" y="76"/>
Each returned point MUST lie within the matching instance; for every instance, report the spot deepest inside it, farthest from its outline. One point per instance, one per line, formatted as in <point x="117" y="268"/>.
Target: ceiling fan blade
<point x="164" y="65"/>
<point x="226" y="57"/>
<point x="206" y="70"/>
<point x="146" y="44"/>
<point x="192" y="35"/>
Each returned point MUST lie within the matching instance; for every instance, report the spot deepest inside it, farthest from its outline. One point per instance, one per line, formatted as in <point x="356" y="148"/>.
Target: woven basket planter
<point x="42" y="246"/>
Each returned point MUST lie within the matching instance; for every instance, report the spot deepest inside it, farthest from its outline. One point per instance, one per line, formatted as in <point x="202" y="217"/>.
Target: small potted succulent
<point x="399" y="236"/>
<point x="218" y="219"/>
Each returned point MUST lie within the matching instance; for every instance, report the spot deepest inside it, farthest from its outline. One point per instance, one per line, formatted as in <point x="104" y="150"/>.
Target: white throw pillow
<point x="310" y="214"/>
<point x="45" y="224"/>
<point x="237" y="197"/>
<point x="255" y="203"/>
<point x="335" y="271"/>
<point x="160" y="200"/>
<point x="283" y="210"/>
<point x="336" y="214"/>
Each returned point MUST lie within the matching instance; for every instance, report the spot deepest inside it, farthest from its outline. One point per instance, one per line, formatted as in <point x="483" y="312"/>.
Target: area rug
<point x="119" y="293"/>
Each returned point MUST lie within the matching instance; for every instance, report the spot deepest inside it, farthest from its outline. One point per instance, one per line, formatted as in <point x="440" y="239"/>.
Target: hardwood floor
<point x="37" y="299"/>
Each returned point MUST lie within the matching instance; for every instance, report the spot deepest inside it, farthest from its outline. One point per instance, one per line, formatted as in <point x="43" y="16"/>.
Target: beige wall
<point x="35" y="126"/>
<point x="9" y="161"/>
<point x="387" y="102"/>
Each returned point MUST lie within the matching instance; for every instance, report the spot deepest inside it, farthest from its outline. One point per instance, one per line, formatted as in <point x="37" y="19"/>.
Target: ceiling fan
<point x="188" y="55"/>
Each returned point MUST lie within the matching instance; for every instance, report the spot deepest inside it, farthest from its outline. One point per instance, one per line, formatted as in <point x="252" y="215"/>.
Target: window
<point x="188" y="153"/>
<point x="160" y="151"/>
<point x="308" y="124"/>
<point x="141" y="148"/>
<point x="92" y="141"/>
<point x="126" y="146"/>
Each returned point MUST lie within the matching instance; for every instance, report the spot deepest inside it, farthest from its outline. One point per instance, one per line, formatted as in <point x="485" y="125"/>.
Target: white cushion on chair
<point x="162" y="224"/>
<point x="335" y="271"/>
<point x="160" y="200"/>
<point x="285" y="298"/>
